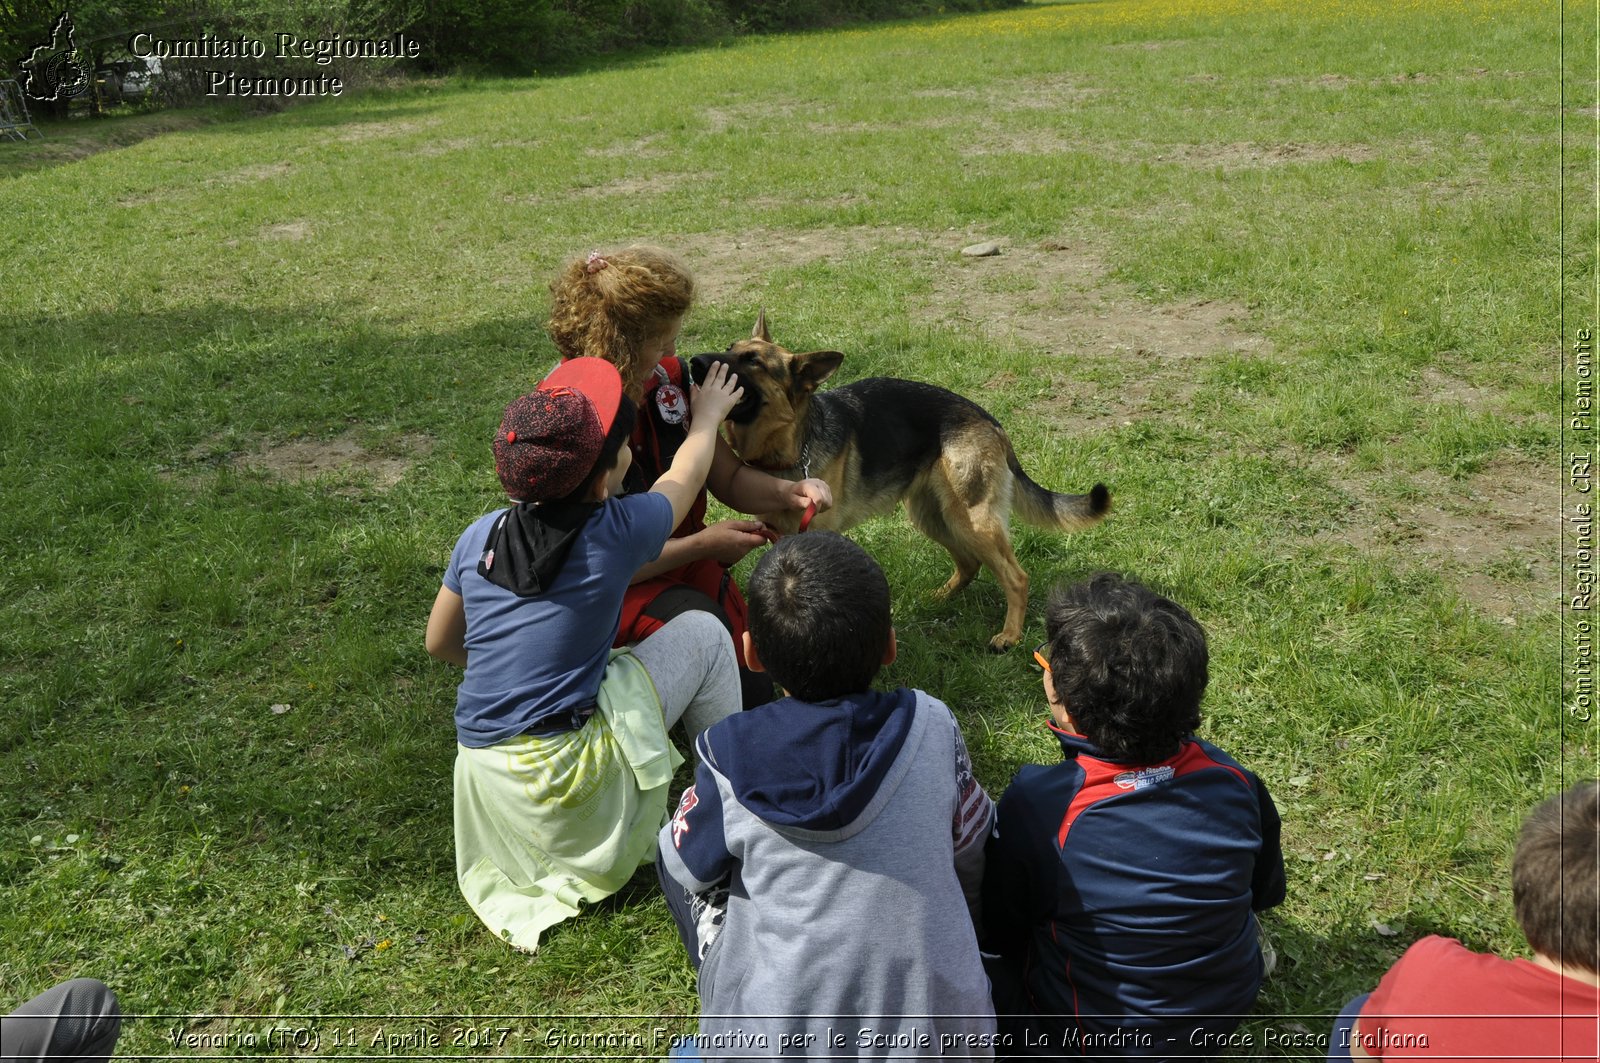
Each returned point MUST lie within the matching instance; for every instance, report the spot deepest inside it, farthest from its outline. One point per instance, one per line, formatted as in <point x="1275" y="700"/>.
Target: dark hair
<point x="819" y="615"/>
<point x="621" y="429"/>
<point x="1129" y="665"/>
<point x="1555" y="877"/>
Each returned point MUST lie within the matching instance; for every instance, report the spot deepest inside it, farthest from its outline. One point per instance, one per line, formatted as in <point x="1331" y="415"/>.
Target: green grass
<point x="1368" y="190"/>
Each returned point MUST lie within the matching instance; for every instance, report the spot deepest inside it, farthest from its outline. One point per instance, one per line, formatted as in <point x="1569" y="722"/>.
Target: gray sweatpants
<point x="79" y="1019"/>
<point x="690" y="659"/>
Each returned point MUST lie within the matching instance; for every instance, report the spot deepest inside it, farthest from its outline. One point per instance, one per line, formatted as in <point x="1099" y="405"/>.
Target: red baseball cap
<point x="550" y="438"/>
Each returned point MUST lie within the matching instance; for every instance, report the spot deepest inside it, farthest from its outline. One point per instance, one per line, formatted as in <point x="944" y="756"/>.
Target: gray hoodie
<point x="849" y="837"/>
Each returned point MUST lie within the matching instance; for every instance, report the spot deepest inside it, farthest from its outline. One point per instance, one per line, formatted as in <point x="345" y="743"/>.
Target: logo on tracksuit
<point x="1142" y="777"/>
<point x="680" y="821"/>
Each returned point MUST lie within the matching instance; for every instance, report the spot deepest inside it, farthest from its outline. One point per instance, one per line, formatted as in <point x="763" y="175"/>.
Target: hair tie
<point x="594" y="263"/>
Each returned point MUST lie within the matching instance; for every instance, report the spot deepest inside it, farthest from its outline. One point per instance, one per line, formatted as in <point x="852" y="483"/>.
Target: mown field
<point x="1283" y="275"/>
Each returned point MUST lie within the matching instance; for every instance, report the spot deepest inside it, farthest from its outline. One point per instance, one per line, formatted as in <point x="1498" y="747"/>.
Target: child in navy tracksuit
<point x="1121" y="883"/>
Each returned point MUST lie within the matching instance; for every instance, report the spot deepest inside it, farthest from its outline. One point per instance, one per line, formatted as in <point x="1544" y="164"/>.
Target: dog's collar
<point x="804" y="464"/>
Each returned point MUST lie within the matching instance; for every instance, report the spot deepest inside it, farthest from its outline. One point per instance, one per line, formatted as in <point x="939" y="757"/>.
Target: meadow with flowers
<point x="1283" y="275"/>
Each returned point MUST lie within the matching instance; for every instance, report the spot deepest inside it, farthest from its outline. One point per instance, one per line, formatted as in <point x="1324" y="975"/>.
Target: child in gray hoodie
<point x="824" y="868"/>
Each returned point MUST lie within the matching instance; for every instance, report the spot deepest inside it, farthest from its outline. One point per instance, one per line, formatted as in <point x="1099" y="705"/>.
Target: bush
<point x="772" y="16"/>
<point x="499" y="36"/>
<point x="514" y="38"/>
<point x="102" y="33"/>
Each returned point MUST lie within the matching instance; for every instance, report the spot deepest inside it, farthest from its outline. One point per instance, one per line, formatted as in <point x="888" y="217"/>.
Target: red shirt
<point x="1442" y="1001"/>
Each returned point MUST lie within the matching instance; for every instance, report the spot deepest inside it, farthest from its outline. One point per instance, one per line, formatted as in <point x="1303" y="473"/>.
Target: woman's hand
<point x="727" y="541"/>
<point x="748" y="489"/>
<point x="811" y="493"/>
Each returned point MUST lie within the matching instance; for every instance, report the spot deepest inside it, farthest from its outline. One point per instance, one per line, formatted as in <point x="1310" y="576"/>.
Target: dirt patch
<point x="289" y="230"/>
<point x="946" y="94"/>
<point x="265" y="171"/>
<point x="1146" y="46"/>
<point x="737" y="116"/>
<point x="633" y="187"/>
<point x="360" y="132"/>
<point x="645" y="147"/>
<point x="446" y="147"/>
<point x="726" y="267"/>
<point x="1059" y="298"/>
<point x="1229" y="157"/>
<point x="992" y="141"/>
<point x="829" y="129"/>
<point x="1411" y="77"/>
<point x="1247" y="156"/>
<point x="342" y="460"/>
<point x="1322" y="81"/>
<point x="1041" y="93"/>
<point x="1491" y="535"/>
<point x="242" y="176"/>
<point x="1049" y="93"/>
<point x="1456" y="187"/>
<point x="1056" y="297"/>
<point x="1438" y="388"/>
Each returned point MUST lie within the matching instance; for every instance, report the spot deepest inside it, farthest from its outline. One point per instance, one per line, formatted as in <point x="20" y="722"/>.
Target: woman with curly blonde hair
<point x="627" y="307"/>
<point x="623" y="306"/>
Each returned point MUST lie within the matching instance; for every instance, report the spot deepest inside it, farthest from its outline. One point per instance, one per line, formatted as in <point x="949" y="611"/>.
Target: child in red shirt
<point x="1442" y="1001"/>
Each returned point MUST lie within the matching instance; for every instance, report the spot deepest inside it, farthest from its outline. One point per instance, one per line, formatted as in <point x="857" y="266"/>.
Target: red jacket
<point x="662" y="427"/>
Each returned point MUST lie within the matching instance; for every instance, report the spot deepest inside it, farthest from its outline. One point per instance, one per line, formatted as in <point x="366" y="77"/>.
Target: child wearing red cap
<point x="563" y="759"/>
<point x="627" y="306"/>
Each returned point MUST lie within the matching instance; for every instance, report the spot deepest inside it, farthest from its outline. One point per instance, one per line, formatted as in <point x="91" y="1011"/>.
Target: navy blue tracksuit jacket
<point x="1124" y="896"/>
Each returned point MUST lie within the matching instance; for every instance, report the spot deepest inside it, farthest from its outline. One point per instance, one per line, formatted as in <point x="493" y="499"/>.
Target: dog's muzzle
<point x="749" y="404"/>
<point x="700" y="365"/>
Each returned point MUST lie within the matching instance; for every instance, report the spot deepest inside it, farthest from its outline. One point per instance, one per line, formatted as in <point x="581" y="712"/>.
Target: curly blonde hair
<point x="612" y="304"/>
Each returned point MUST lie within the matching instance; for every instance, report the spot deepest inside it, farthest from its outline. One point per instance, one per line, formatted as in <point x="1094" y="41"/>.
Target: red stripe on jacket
<point x="1104" y="779"/>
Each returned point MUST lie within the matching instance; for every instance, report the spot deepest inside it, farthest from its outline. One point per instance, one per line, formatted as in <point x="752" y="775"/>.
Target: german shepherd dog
<point x="882" y="441"/>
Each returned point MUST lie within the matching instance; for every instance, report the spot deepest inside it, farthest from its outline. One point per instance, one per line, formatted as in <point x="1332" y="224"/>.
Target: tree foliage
<point x="501" y="36"/>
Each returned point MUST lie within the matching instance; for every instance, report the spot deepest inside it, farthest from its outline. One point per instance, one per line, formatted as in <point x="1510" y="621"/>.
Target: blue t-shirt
<point x="533" y="659"/>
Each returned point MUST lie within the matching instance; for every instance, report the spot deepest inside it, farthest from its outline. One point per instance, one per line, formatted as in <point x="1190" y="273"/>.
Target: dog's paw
<point x="1002" y="643"/>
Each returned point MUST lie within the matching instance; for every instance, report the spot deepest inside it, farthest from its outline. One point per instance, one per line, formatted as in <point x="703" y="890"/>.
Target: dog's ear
<point x="760" y="331"/>
<point x="813" y="367"/>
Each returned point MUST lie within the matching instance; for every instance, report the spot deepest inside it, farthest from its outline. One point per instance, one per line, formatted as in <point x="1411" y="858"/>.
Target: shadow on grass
<point x="70" y="140"/>
<point x="165" y="600"/>
<point x="62" y="141"/>
<point x="303" y="370"/>
<point x="387" y="105"/>
<point x="1325" y="969"/>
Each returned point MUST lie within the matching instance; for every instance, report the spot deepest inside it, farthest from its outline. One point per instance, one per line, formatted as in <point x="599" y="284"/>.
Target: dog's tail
<point x="1044" y="508"/>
